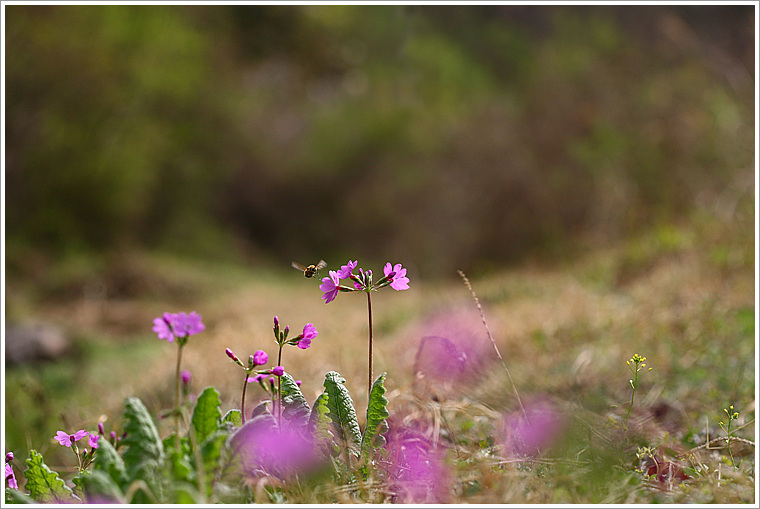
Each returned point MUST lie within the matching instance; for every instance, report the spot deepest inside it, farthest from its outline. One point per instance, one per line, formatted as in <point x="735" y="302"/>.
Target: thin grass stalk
<point x="496" y="348"/>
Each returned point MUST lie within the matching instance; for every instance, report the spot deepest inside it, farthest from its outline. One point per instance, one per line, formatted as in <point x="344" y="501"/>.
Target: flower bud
<point x="100" y="428"/>
<point x="278" y="370"/>
<point x="186" y="376"/>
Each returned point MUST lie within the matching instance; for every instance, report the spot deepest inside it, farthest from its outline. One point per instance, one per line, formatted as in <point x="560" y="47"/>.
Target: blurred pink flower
<point x="545" y="424"/>
<point x="260" y="445"/>
<point x="417" y="468"/>
<point x="10" y="476"/>
<point x="330" y="287"/>
<point x="94" y="440"/>
<point x="186" y="376"/>
<point x="187" y="324"/>
<point x="163" y="326"/>
<point x="453" y="348"/>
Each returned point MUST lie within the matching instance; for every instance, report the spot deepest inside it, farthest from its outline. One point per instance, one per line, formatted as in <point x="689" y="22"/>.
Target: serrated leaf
<point x="295" y="409"/>
<point x="107" y="460"/>
<point x="98" y="487"/>
<point x="43" y="484"/>
<point x="342" y="413"/>
<point x="207" y="414"/>
<point x="233" y="417"/>
<point x="211" y="452"/>
<point x="320" y="424"/>
<point x="145" y="452"/>
<point x="377" y="413"/>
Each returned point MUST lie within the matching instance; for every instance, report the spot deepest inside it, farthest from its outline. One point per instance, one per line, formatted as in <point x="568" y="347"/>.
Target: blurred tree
<point x="447" y="136"/>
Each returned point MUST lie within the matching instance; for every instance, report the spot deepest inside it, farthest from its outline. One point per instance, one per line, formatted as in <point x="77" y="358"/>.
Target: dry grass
<point x="564" y="333"/>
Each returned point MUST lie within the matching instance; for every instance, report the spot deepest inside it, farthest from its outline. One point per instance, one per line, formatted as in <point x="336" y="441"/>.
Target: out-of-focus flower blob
<point x="417" y="468"/>
<point x="545" y="424"/>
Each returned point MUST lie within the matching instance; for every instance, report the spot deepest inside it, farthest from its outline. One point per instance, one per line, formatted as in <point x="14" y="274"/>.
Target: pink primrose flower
<point x="346" y="270"/>
<point x="10" y="476"/>
<point x="163" y="326"/>
<point x="330" y="287"/>
<point x="400" y="281"/>
<point x="187" y="324"/>
<point x="67" y="440"/>
<point x="309" y="332"/>
<point x="260" y="358"/>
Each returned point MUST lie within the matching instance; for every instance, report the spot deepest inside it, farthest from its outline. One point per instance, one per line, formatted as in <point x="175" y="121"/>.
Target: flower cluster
<point x="178" y="325"/>
<point x="393" y="276"/>
<point x="70" y="440"/>
<point x="257" y="359"/>
<point x="302" y="341"/>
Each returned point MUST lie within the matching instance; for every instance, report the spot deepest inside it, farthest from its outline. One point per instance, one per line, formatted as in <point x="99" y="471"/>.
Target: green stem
<point x="633" y="393"/>
<point x="369" y="312"/>
<point x="176" y="395"/>
<point x="279" y="391"/>
<point x="242" y="400"/>
<point x="728" y="442"/>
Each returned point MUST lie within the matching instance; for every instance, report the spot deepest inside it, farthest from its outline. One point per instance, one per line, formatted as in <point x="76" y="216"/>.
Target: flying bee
<point x="311" y="270"/>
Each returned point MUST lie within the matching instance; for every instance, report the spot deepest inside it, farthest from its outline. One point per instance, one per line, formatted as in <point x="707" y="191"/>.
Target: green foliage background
<point x="445" y="136"/>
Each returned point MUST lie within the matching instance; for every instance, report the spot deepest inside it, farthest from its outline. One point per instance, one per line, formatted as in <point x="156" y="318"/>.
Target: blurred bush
<point x="446" y="137"/>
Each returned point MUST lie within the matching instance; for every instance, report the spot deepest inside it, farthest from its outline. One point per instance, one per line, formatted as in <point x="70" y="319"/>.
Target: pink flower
<point x="400" y="281"/>
<point x="186" y="376"/>
<point x="417" y="468"/>
<point x="10" y="476"/>
<point x="187" y="324"/>
<point x="346" y="270"/>
<point x="260" y="358"/>
<point x="257" y="378"/>
<point x="309" y="333"/>
<point x="278" y="370"/>
<point x="94" y="440"/>
<point x="67" y="440"/>
<point x="545" y="424"/>
<point x="163" y="326"/>
<point x="330" y="287"/>
<point x="282" y="452"/>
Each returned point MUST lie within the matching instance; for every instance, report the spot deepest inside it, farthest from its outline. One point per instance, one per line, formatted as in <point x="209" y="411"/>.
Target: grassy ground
<point x="681" y="295"/>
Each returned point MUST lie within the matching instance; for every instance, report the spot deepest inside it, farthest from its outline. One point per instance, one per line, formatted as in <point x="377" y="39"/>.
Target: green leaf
<point x="295" y="409"/>
<point x="342" y="413"/>
<point x="320" y="424"/>
<point x="107" y="460"/>
<point x="377" y="413"/>
<point x="13" y="496"/>
<point x="211" y="452"/>
<point x="144" y="456"/>
<point x="98" y="487"/>
<point x="43" y="484"/>
<point x="207" y="414"/>
<point x="233" y="417"/>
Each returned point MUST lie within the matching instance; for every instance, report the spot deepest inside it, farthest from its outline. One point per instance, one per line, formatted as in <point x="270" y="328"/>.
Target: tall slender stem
<point x="369" y="312"/>
<point x="279" y="391"/>
<point x="176" y="395"/>
<point x="242" y="400"/>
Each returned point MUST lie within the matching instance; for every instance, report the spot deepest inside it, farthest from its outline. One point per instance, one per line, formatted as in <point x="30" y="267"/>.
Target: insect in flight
<point x="311" y="270"/>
